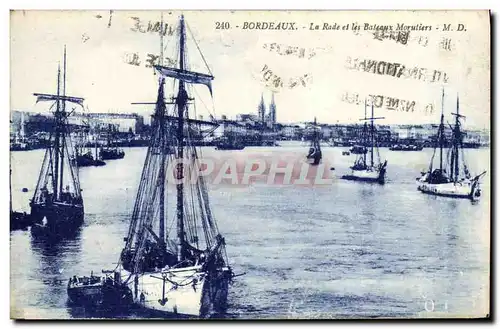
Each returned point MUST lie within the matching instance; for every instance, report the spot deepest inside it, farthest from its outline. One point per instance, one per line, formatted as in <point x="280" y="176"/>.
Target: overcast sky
<point x="97" y="47"/>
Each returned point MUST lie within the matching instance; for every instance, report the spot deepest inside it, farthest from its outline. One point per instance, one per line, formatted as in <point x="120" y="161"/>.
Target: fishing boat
<point x="458" y="182"/>
<point x="18" y="220"/>
<point x="406" y="147"/>
<point x="87" y="154"/>
<point x="57" y="196"/>
<point x="374" y="170"/>
<point x="94" y="290"/>
<point x="20" y="142"/>
<point x="177" y="267"/>
<point x="110" y="152"/>
<point x="358" y="149"/>
<point x="229" y="142"/>
<point x="314" y="155"/>
<point x="86" y="159"/>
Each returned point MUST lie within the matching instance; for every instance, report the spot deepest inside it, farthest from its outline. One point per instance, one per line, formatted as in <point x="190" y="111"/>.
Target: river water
<point x="342" y="250"/>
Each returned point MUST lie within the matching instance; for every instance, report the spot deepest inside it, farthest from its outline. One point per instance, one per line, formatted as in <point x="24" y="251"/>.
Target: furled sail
<point x="49" y="97"/>
<point x="186" y="76"/>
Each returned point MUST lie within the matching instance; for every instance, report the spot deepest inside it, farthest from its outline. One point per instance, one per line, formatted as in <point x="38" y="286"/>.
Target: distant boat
<point x="358" y="149"/>
<point x="229" y="143"/>
<point x="406" y="147"/>
<point x="374" y="170"/>
<point x="110" y="152"/>
<point x="18" y="220"/>
<point x="85" y="158"/>
<point x="458" y="183"/>
<point x="57" y="196"/>
<point x="314" y="155"/>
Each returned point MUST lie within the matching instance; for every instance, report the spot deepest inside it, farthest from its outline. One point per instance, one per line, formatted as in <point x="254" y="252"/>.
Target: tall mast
<point x="161" y="38"/>
<point x="315" y="136"/>
<point x="63" y="115"/>
<point x="365" y="128"/>
<point x="161" y="117"/>
<point x="56" y="138"/>
<point x="441" y="133"/>
<point x="457" y="139"/>
<point x="10" y="180"/>
<point x="372" y="138"/>
<point x="181" y="103"/>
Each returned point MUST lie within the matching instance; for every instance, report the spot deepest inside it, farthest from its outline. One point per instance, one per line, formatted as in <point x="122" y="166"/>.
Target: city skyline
<point x="330" y="83"/>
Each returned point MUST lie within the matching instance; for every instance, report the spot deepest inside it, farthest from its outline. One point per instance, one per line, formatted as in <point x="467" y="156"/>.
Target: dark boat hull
<point x="406" y="149"/>
<point x="314" y="161"/>
<point x="58" y="215"/>
<point x="107" y="295"/>
<point x="87" y="163"/>
<point x="112" y="155"/>
<point x="368" y="177"/>
<point x="229" y="147"/>
<point x="363" y="179"/>
<point x="20" y="221"/>
<point x="89" y="296"/>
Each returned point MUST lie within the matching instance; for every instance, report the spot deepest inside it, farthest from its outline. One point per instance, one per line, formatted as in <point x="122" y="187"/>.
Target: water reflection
<point x="345" y="250"/>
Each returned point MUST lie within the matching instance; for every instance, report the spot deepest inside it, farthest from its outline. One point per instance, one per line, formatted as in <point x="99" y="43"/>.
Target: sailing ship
<point x="57" y="198"/>
<point x="229" y="142"/>
<point x="358" y="149"/>
<point x="181" y="268"/>
<point x="84" y="156"/>
<point x="406" y="147"/>
<point x="457" y="183"/>
<point x="110" y="152"/>
<point x="314" y="155"/>
<point x="362" y="170"/>
<point x="20" y="142"/>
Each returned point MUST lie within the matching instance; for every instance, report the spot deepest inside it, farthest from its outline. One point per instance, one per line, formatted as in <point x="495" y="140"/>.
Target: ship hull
<point x="228" y="147"/>
<point x="58" y="215"/>
<point x="184" y="292"/>
<point x="105" y="294"/>
<point x="19" y="221"/>
<point x="86" y="296"/>
<point x="314" y="161"/>
<point x="464" y="190"/>
<point x="365" y="176"/>
<point x="112" y="155"/>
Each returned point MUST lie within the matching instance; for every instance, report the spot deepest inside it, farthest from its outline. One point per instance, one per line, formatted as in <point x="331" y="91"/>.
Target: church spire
<point x="272" y="110"/>
<point x="262" y="109"/>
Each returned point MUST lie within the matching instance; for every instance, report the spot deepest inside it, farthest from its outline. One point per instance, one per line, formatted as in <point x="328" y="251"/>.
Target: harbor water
<point x="342" y="250"/>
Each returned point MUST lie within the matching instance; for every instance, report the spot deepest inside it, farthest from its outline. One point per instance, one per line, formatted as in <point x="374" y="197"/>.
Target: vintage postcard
<point x="249" y="164"/>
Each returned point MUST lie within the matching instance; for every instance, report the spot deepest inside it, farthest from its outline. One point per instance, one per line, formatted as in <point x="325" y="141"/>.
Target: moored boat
<point x="230" y="142"/>
<point x="57" y="196"/>
<point x="95" y="291"/>
<point x="110" y="152"/>
<point x="458" y="182"/>
<point x="358" y="149"/>
<point x="406" y="147"/>
<point x="87" y="160"/>
<point x="314" y="155"/>
<point x="182" y="268"/>
<point x="373" y="170"/>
